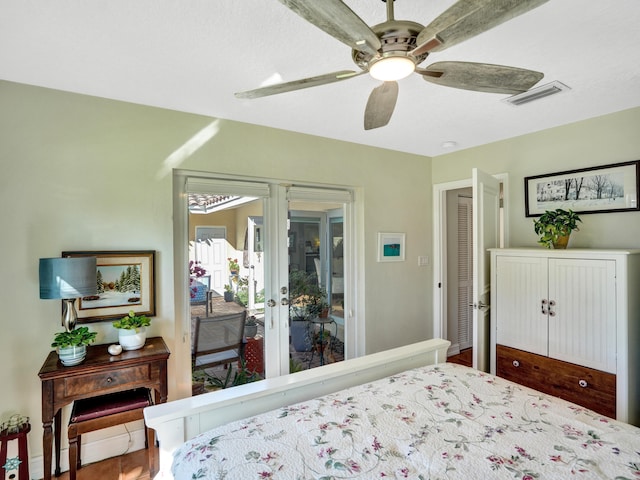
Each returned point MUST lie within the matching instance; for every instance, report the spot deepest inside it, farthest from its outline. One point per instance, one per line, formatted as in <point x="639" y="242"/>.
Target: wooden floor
<point x="463" y="358"/>
<point x="132" y="466"/>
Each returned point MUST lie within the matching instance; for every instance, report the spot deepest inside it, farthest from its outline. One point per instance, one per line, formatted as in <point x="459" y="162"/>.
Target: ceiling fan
<point x="394" y="49"/>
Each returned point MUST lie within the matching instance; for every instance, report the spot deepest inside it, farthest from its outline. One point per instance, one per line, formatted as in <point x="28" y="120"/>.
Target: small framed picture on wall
<point x="391" y="247"/>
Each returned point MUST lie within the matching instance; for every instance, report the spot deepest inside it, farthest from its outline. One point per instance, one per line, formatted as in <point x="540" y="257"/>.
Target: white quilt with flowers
<point x="437" y="422"/>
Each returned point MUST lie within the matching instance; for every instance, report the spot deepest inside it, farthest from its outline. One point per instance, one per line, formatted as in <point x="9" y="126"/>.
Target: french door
<point x="271" y="230"/>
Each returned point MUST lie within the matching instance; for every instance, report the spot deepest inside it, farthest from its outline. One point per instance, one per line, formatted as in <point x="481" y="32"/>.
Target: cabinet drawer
<point x="584" y="386"/>
<point x="105" y="380"/>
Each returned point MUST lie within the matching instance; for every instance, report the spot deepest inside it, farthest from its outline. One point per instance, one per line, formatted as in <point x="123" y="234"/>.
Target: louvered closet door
<point x="522" y="285"/>
<point x="583" y="329"/>
<point x="465" y="273"/>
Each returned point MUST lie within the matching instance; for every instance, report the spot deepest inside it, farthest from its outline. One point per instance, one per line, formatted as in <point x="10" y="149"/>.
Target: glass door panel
<point x="225" y="248"/>
<point x="315" y="335"/>
<point x="281" y="257"/>
<point x="336" y="263"/>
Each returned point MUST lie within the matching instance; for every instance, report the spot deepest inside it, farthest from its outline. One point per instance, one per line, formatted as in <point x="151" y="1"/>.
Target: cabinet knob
<point x="583" y="383"/>
<point x="516" y="363"/>
<point x="109" y="379"/>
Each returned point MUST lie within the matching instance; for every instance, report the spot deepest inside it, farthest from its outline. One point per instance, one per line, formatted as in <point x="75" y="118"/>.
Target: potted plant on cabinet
<point x="555" y="226"/>
<point x="72" y="346"/>
<point x="132" y="331"/>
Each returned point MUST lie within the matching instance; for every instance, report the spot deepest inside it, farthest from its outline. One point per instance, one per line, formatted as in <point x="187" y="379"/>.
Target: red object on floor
<point x="21" y="436"/>
<point x="254" y="354"/>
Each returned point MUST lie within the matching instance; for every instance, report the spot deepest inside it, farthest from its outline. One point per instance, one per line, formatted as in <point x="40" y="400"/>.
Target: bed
<point x="397" y="414"/>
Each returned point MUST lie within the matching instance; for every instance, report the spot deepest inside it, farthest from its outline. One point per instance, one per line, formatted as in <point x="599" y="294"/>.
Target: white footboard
<point x="177" y="421"/>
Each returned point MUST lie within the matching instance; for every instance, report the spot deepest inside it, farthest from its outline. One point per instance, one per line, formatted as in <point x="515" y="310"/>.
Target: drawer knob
<point x="583" y="383"/>
<point x="109" y="379"/>
<point x="516" y="363"/>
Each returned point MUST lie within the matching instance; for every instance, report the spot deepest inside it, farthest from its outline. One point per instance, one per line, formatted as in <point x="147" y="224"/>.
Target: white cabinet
<point x="574" y="306"/>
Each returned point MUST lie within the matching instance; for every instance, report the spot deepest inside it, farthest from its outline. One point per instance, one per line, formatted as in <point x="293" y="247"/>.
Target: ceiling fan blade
<point x="380" y="105"/>
<point x="468" y="18"/>
<point x="481" y="77"/>
<point x="299" y="84"/>
<point x="339" y="21"/>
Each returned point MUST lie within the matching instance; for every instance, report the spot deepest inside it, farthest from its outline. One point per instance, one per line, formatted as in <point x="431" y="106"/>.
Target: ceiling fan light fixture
<point x="389" y="69"/>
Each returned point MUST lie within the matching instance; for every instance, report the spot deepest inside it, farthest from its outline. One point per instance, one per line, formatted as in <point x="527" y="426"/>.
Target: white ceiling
<point x="193" y="55"/>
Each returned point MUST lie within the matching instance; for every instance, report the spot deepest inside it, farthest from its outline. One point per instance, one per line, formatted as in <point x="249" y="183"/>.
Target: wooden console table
<point x="98" y="374"/>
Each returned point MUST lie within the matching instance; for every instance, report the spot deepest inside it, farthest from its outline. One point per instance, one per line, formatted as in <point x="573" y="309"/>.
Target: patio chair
<point x="199" y="286"/>
<point x="218" y="340"/>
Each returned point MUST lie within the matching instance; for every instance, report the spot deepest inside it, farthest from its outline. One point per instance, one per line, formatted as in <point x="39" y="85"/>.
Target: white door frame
<point x="354" y="268"/>
<point x="440" y="245"/>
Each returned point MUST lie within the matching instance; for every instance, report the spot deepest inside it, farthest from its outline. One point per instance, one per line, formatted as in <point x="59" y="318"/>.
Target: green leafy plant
<point x="307" y="298"/>
<point x="553" y="224"/>
<point x="295" y="366"/>
<point x="234" y="266"/>
<point x="74" y="338"/>
<point x="132" y="321"/>
<point x="240" y="376"/>
<point x="227" y="288"/>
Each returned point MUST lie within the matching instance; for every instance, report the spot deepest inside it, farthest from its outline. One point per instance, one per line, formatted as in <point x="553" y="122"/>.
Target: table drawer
<point x="103" y="381"/>
<point x="584" y="386"/>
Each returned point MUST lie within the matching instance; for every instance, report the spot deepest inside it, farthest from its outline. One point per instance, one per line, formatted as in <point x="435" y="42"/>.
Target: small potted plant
<point x="250" y="327"/>
<point x="72" y="346"/>
<point x="132" y="331"/>
<point x="307" y="300"/>
<point x="234" y="266"/>
<point x="228" y="293"/>
<point x="555" y="226"/>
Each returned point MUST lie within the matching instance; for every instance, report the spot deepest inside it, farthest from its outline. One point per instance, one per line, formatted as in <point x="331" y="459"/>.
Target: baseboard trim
<point x="94" y="451"/>
<point x="454" y="349"/>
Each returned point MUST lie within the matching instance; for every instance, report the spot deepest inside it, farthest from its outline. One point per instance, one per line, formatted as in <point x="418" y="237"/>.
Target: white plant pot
<point x="131" y="339"/>
<point x="70" y="356"/>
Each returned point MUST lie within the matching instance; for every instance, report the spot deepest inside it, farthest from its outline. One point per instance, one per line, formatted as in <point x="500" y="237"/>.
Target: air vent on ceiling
<point x="536" y="93"/>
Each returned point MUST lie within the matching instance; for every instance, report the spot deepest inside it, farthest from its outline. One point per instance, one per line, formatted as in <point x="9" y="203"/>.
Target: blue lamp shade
<point x="67" y="277"/>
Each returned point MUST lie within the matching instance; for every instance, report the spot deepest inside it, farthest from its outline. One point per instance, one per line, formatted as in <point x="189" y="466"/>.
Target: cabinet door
<point x="583" y="328"/>
<point x="521" y="286"/>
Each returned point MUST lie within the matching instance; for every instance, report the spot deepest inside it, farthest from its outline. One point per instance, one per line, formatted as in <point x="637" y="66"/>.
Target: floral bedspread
<point x="436" y="422"/>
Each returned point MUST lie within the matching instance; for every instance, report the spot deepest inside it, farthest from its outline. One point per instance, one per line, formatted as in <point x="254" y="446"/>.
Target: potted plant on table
<point x="307" y="300"/>
<point x="555" y="226"/>
<point x="132" y="330"/>
<point x="72" y="346"/>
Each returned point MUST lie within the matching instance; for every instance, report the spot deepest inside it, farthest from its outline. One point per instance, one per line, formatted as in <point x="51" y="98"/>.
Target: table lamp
<point x="67" y="279"/>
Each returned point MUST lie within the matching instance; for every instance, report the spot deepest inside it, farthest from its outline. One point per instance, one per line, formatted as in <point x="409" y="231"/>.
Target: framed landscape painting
<point x="125" y="281"/>
<point x="608" y="188"/>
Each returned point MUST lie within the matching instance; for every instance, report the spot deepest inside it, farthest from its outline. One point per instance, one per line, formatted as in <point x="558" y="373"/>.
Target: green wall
<point x="84" y="173"/>
<point x="603" y="140"/>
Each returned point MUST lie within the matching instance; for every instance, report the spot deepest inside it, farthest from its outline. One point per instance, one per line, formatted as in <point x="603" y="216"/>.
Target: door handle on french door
<point x="479" y="306"/>
<point x="273" y="303"/>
